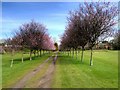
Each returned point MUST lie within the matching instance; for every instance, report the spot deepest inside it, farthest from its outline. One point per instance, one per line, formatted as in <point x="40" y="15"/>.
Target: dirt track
<point x="45" y="80"/>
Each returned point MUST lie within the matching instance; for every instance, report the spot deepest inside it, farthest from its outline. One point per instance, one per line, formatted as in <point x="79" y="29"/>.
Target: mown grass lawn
<point x="71" y="73"/>
<point x="10" y="75"/>
<point x="0" y="71"/>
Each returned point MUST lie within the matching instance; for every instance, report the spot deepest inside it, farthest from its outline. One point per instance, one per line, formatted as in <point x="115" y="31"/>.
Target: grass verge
<point x="71" y="73"/>
<point x="11" y="75"/>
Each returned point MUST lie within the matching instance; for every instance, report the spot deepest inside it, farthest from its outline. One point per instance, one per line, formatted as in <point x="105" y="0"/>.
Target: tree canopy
<point x="87" y="24"/>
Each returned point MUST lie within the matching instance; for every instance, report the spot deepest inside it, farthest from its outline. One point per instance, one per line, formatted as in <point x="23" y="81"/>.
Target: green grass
<point x="10" y="75"/>
<point x="71" y="73"/>
<point x="0" y="71"/>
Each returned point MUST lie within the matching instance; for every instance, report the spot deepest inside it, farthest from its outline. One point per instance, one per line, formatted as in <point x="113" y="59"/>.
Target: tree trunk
<point x="91" y="62"/>
<point x="12" y="54"/>
<point x="34" y="53"/>
<point x="37" y="53"/>
<point x="82" y="54"/>
<point x="40" y="52"/>
<point x="43" y="51"/>
<point x="72" y="53"/>
<point x="22" y="56"/>
<point x="11" y="63"/>
<point x="79" y="51"/>
<point x="76" y="53"/>
<point x="30" y="54"/>
<point x="12" y="58"/>
<point x="68" y="53"/>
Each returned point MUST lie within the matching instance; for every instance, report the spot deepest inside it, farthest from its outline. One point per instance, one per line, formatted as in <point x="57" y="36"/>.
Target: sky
<point x="52" y="14"/>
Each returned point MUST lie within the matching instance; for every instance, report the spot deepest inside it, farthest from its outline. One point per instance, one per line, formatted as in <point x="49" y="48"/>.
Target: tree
<point x="100" y="20"/>
<point x="30" y="35"/>
<point x="56" y="46"/>
<point x="88" y="23"/>
<point x="47" y="43"/>
<point x="116" y="41"/>
<point x="80" y="31"/>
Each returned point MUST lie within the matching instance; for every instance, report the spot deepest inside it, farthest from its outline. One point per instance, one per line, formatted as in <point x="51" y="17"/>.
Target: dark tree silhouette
<point x="116" y="41"/>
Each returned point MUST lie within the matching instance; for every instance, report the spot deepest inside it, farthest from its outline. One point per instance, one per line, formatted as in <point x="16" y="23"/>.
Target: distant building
<point x="103" y="45"/>
<point x="100" y="45"/>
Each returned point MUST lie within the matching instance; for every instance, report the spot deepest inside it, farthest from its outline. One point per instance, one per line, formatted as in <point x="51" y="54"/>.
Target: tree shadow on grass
<point x="69" y="60"/>
<point x="18" y="60"/>
<point x="63" y="56"/>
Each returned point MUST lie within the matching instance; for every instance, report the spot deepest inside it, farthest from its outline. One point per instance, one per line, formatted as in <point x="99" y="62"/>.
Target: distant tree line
<point x="86" y="25"/>
<point x="116" y="41"/>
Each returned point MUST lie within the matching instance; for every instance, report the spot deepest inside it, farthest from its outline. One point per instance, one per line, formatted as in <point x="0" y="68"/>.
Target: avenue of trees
<point x="87" y="24"/>
<point x="32" y="36"/>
